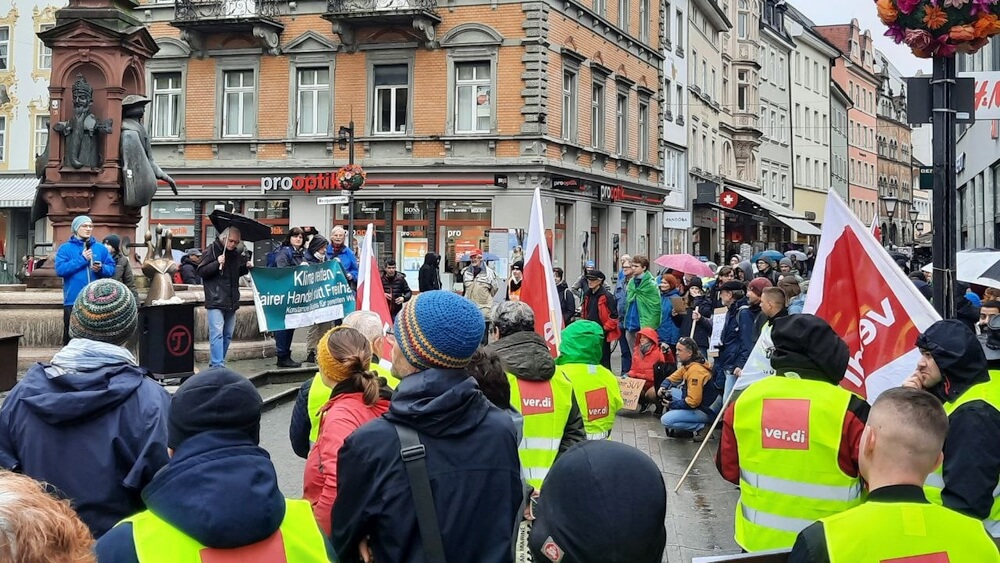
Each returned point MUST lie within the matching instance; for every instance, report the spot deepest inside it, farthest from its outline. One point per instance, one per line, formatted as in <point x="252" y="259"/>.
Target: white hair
<point x="228" y="232"/>
<point x="338" y="229"/>
<point x="368" y="323"/>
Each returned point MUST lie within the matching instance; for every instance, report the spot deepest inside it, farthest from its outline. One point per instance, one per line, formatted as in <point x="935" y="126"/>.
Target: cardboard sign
<point x="631" y="391"/>
<point x="718" y="323"/>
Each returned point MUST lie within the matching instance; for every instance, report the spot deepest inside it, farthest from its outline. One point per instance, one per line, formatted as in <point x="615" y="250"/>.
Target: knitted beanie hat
<point x="215" y="400"/>
<point x="758" y="285"/>
<point x="439" y="329"/>
<point x="79" y="221"/>
<point x="104" y="311"/>
<point x="115" y="241"/>
<point x="330" y="367"/>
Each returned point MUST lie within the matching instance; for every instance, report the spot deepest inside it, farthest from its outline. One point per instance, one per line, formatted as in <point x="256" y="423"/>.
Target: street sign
<point x="331" y="200"/>
<point x="966" y="94"/>
<point x="500" y="180"/>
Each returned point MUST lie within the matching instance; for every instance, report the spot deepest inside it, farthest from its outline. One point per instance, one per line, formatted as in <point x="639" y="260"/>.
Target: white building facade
<point x="775" y="121"/>
<point x="677" y="204"/>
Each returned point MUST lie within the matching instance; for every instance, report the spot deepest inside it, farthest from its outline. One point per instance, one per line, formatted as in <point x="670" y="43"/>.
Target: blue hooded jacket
<point x="347" y="259"/>
<point x="75" y="270"/>
<point x="472" y="463"/>
<point x="97" y="437"/>
<point x="220" y="488"/>
<point x="737" y="341"/>
<point x="668" y="331"/>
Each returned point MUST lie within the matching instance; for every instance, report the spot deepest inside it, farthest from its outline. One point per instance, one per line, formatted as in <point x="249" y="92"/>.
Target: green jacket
<point x="647" y="296"/>
<point x="581" y="343"/>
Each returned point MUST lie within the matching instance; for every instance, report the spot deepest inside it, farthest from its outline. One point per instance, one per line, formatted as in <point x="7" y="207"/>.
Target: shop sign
<point x="565" y="184"/>
<point x="729" y="199"/>
<point x="610" y="193"/>
<point x="676" y="219"/>
<point x="309" y="183"/>
<point x="500" y="180"/>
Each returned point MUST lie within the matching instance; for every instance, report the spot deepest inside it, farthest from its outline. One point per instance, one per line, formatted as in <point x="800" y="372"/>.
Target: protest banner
<point x="631" y="391"/>
<point x="287" y="298"/>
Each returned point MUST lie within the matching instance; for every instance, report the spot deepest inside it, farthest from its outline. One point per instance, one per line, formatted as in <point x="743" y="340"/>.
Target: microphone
<point x="86" y="244"/>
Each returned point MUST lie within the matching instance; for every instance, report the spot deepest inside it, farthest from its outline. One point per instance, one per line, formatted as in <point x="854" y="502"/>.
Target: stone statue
<point x="82" y="129"/>
<point x="139" y="170"/>
<point x="159" y="267"/>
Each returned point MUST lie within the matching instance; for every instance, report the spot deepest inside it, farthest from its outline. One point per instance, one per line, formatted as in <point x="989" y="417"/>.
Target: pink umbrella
<point x="684" y="263"/>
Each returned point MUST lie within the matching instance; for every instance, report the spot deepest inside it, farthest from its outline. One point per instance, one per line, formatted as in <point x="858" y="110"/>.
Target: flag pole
<point x="708" y="435"/>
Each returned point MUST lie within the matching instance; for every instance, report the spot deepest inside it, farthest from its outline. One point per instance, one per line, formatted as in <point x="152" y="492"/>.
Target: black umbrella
<point x="250" y="230"/>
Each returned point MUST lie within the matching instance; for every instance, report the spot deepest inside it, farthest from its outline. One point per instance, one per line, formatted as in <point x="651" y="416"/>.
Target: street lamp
<point x="345" y="140"/>
<point x="889" y="202"/>
<point x="913" y="234"/>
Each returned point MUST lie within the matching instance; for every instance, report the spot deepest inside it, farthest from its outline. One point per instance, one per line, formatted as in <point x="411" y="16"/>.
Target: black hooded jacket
<point x="972" y="449"/>
<point x="526" y="356"/>
<point x="429" y="277"/>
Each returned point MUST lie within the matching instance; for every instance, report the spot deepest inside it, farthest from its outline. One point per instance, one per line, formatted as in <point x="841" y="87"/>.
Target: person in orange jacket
<point x="649" y="363"/>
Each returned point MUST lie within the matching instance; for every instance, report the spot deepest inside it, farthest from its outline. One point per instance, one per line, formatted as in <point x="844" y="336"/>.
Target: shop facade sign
<point x="324" y="181"/>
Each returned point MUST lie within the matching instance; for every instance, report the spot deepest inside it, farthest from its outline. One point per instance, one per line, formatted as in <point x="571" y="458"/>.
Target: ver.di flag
<point x="538" y="289"/>
<point x="371" y="294"/>
<point x="869" y="302"/>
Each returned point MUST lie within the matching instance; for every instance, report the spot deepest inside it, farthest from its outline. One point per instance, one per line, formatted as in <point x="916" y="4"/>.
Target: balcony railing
<point x="377" y="6"/>
<point x="195" y="10"/>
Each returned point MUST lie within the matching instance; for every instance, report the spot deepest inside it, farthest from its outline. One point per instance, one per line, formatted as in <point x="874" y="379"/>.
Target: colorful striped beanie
<point x="104" y="311"/>
<point x="439" y="329"/>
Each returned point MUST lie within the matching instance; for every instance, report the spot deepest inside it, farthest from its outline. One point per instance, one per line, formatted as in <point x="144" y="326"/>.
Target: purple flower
<point x="896" y="33"/>
<point x="918" y="39"/>
<point x="981" y="6"/>
<point x="907" y="6"/>
<point x="944" y="48"/>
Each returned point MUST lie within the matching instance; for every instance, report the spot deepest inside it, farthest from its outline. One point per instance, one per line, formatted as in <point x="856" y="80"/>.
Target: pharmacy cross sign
<point x="729" y="199"/>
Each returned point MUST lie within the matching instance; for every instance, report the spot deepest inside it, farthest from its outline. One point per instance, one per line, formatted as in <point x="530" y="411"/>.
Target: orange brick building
<point x="459" y="111"/>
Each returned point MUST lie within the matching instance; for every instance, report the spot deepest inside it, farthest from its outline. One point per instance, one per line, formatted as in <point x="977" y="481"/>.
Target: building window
<point x="473" y="95"/>
<point x="600" y="6"/>
<point x="623" y="14"/>
<point x="41" y="133"/>
<point x="166" y="118"/>
<point x="3" y="138"/>
<point x="569" y="105"/>
<point x="314" y="102"/>
<point x="680" y="101"/>
<point x="392" y="96"/>
<point x="44" y="53"/>
<point x="742" y="91"/>
<point x="711" y="85"/>
<point x="743" y="20"/>
<point x="643" y="143"/>
<point x="668" y="103"/>
<point x="240" y="107"/>
<point x="644" y="21"/>
<point x="597" y="116"/>
<point x="621" y="123"/>
<point x="667" y="10"/>
<point x="4" y="48"/>
<point x="781" y="128"/>
<point x="680" y="30"/>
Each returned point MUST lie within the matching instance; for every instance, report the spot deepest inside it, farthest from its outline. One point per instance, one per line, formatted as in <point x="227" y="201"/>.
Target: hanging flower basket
<point x="940" y="28"/>
<point x="351" y="177"/>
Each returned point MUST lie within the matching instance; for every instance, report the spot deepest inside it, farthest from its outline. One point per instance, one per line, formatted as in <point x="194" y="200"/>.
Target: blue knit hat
<point x="80" y="221"/>
<point x="439" y="329"/>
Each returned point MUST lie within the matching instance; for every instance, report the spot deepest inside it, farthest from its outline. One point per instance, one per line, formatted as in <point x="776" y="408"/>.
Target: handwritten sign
<point x="631" y="391"/>
<point x="718" y="322"/>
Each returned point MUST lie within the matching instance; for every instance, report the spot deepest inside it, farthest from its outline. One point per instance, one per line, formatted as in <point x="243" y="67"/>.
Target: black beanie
<point x="808" y="346"/>
<point x="114" y="241"/>
<point x="216" y="399"/>
<point x="617" y="521"/>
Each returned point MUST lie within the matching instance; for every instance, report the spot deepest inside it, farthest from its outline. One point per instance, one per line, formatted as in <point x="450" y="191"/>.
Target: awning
<point x="778" y="211"/>
<point x="17" y="191"/>
<point x="800" y="226"/>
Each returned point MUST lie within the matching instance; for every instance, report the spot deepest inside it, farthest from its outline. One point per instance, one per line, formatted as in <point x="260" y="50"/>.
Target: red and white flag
<point x="371" y="294"/>
<point x="875" y="229"/>
<point x="869" y="302"/>
<point x="538" y="288"/>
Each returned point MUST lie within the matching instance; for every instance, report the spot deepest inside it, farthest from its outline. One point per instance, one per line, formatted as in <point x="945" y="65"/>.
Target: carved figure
<point x="159" y="267"/>
<point x="139" y="170"/>
<point x="83" y="129"/>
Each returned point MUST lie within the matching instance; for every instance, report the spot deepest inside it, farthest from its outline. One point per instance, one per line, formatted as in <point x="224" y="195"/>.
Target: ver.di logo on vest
<point x="536" y="397"/>
<point x="597" y="404"/>
<point x="784" y="424"/>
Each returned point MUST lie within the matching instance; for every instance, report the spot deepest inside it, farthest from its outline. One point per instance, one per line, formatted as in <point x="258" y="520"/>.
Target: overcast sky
<point x="829" y="12"/>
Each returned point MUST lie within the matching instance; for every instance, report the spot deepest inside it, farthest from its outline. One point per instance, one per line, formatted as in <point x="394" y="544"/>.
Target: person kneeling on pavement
<point x="689" y="393"/>
<point x="596" y="388"/>
<point x="650" y="363"/>
<point x="218" y="498"/>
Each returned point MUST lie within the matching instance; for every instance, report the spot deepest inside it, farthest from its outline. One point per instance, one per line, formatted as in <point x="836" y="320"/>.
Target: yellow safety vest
<point x="788" y="434"/>
<point x="988" y="391"/>
<point x="297" y="540"/>
<point x="898" y="531"/>
<point x="598" y="395"/>
<point x="545" y="406"/>
<point x="319" y="395"/>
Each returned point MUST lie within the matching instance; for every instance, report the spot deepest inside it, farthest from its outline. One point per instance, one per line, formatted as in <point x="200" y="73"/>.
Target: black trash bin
<point x="166" y="340"/>
<point x="8" y="368"/>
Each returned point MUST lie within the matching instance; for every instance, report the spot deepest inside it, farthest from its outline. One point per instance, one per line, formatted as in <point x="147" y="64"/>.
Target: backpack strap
<point x="415" y="460"/>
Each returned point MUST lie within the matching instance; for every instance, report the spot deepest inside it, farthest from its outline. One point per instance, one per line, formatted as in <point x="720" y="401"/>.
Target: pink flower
<point x="907" y="6"/>
<point x="896" y="33"/>
<point x="981" y="6"/>
<point x="918" y="39"/>
<point x="944" y="49"/>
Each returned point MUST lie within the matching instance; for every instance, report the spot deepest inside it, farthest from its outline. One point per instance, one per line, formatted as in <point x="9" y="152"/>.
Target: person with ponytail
<point x="344" y="357"/>
<point x="688" y="393"/>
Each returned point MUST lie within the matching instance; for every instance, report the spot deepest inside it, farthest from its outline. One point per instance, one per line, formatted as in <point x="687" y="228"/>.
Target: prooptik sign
<point x="323" y="181"/>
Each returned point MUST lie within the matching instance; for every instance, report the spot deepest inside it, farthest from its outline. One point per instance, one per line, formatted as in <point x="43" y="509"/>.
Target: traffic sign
<point x="331" y="200"/>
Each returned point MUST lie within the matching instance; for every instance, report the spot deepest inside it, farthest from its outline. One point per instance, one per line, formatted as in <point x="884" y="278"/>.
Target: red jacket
<point x="342" y="415"/>
<point x="607" y="315"/>
<point x="642" y="365"/>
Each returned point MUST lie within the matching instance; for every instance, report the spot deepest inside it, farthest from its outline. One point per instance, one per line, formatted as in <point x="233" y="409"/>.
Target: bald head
<point x="369" y="324"/>
<point x="903" y="438"/>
